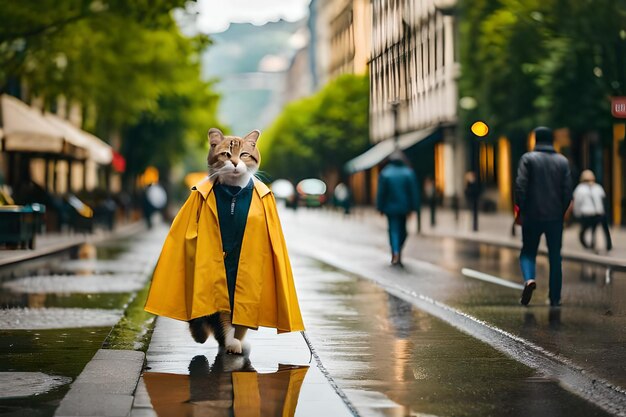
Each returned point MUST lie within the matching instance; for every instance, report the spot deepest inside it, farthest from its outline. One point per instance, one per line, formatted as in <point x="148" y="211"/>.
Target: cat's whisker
<point x="213" y="175"/>
<point x="261" y="176"/>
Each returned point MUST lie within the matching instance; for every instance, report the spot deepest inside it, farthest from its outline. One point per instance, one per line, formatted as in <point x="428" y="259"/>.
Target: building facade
<point x="343" y="37"/>
<point x="413" y="95"/>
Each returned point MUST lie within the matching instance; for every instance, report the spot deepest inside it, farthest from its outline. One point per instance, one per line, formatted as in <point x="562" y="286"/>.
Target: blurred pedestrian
<point x="397" y="197"/>
<point x="154" y="200"/>
<point x="589" y="197"/>
<point x="543" y="192"/>
<point x="342" y="197"/>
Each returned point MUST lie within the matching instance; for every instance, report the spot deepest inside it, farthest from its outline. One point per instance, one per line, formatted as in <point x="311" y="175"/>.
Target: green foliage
<point x="318" y="134"/>
<point x="554" y="62"/>
<point x="126" y="63"/>
<point x="134" y="330"/>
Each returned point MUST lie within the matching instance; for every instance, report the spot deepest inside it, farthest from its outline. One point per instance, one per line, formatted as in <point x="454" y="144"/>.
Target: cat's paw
<point x="234" y="346"/>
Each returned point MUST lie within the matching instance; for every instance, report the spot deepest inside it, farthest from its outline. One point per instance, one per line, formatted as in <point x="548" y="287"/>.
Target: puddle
<point x="57" y="310"/>
<point x="274" y="377"/>
<point x="9" y="299"/>
<point x="229" y="385"/>
<point x="59" y="353"/>
<point x="77" y="284"/>
<point x="24" y="384"/>
<point x="57" y="318"/>
<point x="105" y="266"/>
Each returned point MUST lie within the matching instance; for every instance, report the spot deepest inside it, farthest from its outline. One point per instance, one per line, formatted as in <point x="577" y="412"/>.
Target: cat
<point x="231" y="161"/>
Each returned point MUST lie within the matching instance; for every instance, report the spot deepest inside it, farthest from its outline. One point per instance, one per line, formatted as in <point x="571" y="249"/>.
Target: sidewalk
<point x="273" y="377"/>
<point x="276" y="375"/>
<point x="49" y="243"/>
<point x="495" y="229"/>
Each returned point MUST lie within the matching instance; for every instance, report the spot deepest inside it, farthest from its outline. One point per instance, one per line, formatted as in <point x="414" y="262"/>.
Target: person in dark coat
<point x="543" y="192"/>
<point x="398" y="195"/>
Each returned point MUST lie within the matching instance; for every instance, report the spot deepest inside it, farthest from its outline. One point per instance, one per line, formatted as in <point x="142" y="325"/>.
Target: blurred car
<point x="312" y="192"/>
<point x="283" y="189"/>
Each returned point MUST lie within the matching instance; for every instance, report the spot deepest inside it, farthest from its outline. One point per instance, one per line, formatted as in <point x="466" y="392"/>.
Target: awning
<point x="98" y="151"/>
<point x="381" y="150"/>
<point x="25" y="129"/>
<point x="70" y="133"/>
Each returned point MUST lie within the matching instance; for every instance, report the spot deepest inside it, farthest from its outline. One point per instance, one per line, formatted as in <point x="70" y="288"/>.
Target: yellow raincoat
<point x="190" y="278"/>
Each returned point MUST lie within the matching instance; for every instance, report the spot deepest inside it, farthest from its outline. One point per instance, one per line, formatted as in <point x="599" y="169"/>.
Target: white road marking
<point x="490" y="278"/>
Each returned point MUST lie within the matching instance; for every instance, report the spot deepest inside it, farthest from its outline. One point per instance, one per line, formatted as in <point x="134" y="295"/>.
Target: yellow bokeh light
<point x="480" y="129"/>
<point x="150" y="176"/>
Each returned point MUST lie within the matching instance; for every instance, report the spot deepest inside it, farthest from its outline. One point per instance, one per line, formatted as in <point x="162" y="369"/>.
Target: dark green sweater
<point x="233" y="204"/>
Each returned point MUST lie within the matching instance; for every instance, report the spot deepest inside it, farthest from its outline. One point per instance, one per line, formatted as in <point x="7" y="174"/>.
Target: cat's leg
<point x="240" y="332"/>
<point x="232" y="344"/>
<point x="225" y="333"/>
<point x="199" y="329"/>
<point x="216" y="324"/>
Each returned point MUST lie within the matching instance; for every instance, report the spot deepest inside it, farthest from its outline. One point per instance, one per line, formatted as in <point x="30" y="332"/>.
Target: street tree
<point x="136" y="77"/>
<point x="552" y="62"/>
<point x="315" y="136"/>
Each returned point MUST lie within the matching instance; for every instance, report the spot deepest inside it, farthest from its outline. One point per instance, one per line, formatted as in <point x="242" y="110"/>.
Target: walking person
<point x="589" y="209"/>
<point x="543" y="192"/>
<point x="397" y="197"/>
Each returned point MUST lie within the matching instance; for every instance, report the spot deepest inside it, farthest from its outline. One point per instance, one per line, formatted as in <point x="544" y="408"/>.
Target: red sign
<point x="618" y="107"/>
<point x="119" y="163"/>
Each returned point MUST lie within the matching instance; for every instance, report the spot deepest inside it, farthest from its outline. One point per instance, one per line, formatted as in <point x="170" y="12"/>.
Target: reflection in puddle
<point x="230" y="386"/>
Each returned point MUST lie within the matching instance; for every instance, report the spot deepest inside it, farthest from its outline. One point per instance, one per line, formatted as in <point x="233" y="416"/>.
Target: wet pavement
<point x="274" y="377"/>
<point x="57" y="310"/>
<point x="587" y="334"/>
<point x="386" y="357"/>
<point x="392" y="359"/>
<point x="443" y="337"/>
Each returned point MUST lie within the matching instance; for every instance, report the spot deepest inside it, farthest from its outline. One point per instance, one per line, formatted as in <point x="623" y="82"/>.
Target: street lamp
<point x="473" y="183"/>
<point x="480" y="128"/>
<point x="396" y="129"/>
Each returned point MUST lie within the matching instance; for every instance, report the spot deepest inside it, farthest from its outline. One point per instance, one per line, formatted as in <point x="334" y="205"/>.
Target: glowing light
<point x="480" y="129"/>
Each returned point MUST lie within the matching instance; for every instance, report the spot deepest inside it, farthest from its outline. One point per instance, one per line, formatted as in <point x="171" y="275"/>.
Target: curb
<point x="105" y="387"/>
<point x="108" y="383"/>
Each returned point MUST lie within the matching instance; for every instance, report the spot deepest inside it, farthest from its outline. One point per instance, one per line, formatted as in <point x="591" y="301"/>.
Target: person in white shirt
<point x="589" y="208"/>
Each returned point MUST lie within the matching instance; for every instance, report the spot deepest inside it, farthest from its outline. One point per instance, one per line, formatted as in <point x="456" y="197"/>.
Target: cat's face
<point x="233" y="160"/>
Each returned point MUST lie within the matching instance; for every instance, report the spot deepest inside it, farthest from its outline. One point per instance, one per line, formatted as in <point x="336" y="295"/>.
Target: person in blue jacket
<point x="398" y="195"/>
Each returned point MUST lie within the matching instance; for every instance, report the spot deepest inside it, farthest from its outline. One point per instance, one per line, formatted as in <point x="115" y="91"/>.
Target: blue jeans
<point x="397" y="232"/>
<point x="531" y="234"/>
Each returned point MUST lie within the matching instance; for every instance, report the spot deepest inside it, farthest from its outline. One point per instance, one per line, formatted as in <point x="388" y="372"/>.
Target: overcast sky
<point x="216" y="15"/>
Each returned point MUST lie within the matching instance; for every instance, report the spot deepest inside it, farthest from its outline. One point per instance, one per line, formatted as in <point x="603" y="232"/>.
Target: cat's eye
<point x="226" y="154"/>
<point x="245" y="155"/>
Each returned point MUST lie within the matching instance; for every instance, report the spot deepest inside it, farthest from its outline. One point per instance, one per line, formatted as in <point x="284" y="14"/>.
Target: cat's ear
<point x="215" y="136"/>
<point x="252" y="136"/>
